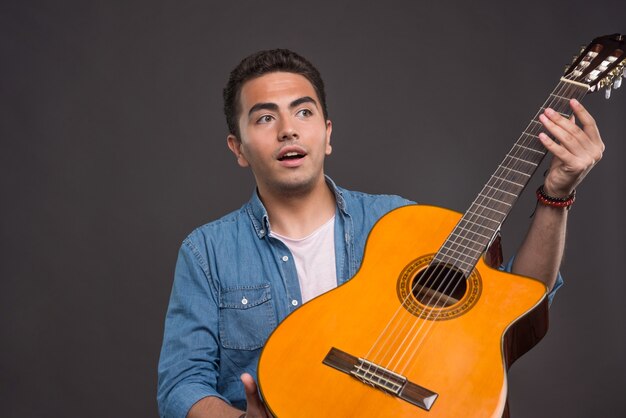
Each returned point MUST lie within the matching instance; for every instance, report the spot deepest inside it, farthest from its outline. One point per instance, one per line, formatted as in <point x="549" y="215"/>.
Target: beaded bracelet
<point x="556" y="202"/>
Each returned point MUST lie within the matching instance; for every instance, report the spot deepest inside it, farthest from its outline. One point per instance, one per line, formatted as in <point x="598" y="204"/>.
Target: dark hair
<point x="261" y="63"/>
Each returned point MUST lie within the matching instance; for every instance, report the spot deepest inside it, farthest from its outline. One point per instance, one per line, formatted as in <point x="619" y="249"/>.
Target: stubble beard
<point x="296" y="188"/>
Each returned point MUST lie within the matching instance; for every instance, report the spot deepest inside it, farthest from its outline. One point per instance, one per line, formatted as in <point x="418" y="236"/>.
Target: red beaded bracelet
<point x="556" y="202"/>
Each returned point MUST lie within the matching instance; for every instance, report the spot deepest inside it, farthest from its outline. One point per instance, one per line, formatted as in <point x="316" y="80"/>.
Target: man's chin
<point x="295" y="187"/>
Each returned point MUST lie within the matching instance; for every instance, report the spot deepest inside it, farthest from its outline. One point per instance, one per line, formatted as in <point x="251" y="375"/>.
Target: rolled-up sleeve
<point x="189" y="362"/>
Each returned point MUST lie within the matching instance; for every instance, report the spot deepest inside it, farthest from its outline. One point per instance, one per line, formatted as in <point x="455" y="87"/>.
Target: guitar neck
<point x="478" y="226"/>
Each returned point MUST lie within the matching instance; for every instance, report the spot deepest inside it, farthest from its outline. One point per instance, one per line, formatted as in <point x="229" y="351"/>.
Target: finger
<point x="586" y="120"/>
<point x="255" y="405"/>
<point x="581" y="113"/>
<point x="553" y="122"/>
<point x="568" y="125"/>
<point x="557" y="150"/>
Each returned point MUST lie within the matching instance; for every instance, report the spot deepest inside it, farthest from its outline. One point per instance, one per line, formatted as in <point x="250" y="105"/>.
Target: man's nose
<point x="287" y="130"/>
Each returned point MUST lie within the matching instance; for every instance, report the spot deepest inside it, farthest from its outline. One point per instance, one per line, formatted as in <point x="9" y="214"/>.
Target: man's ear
<point x="329" y="131"/>
<point x="235" y="146"/>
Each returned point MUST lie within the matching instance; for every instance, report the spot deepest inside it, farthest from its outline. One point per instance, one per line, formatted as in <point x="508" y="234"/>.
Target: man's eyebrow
<point x="261" y="106"/>
<point x="274" y="106"/>
<point x="305" y="99"/>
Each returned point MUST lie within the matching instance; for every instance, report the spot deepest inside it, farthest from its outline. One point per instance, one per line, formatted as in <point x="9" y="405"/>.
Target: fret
<point x="560" y="97"/>
<point x="457" y="258"/>
<point x="508" y="181"/>
<point x="482" y="216"/>
<point x="462" y="254"/>
<point x="500" y="190"/>
<point x="480" y="246"/>
<point x="513" y="170"/>
<point x="528" y="148"/>
<point x="470" y="231"/>
<point x="521" y="160"/>
<point x="482" y="226"/>
<point x="565" y="115"/>
<point x="465" y="246"/>
<point x="491" y="209"/>
<point x="531" y="135"/>
<point x="535" y="124"/>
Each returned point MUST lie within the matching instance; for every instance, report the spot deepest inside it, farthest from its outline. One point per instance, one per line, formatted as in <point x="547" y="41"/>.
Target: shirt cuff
<point x="185" y="396"/>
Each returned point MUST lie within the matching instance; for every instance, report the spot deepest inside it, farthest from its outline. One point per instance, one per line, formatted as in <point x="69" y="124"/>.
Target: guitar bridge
<point x="380" y="378"/>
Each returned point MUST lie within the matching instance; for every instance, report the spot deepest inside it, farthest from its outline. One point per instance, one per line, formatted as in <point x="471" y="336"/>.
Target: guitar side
<point x="462" y="359"/>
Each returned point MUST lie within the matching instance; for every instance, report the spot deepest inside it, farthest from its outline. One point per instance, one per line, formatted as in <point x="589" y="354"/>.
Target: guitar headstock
<point x="600" y="64"/>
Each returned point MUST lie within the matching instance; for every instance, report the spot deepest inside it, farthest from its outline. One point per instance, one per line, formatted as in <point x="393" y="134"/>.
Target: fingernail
<point x="549" y="111"/>
<point x="575" y="102"/>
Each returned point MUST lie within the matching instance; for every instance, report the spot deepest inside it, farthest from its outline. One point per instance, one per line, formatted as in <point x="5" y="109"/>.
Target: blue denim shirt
<point x="233" y="285"/>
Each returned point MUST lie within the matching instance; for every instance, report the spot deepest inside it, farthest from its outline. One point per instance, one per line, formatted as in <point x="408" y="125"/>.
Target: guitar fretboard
<point x="471" y="236"/>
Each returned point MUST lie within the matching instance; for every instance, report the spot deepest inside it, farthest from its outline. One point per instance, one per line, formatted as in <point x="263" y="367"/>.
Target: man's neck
<point x="298" y="215"/>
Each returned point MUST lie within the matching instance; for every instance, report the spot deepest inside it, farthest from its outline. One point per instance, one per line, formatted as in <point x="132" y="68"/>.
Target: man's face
<point x="283" y="134"/>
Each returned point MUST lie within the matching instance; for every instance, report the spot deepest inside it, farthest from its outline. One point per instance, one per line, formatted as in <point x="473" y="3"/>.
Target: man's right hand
<point x="256" y="407"/>
<point x="212" y="406"/>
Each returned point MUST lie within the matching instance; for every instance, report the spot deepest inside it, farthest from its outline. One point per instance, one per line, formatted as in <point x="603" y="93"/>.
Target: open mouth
<point x="291" y="156"/>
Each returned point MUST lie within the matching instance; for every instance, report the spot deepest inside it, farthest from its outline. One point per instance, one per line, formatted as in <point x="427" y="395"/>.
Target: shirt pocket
<point x="247" y="316"/>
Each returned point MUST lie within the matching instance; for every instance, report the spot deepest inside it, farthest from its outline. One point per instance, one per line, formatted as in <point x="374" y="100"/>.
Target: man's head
<point x="264" y="62"/>
<point x="274" y="103"/>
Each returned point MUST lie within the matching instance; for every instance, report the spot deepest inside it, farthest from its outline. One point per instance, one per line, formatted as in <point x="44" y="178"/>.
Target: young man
<point x="301" y="235"/>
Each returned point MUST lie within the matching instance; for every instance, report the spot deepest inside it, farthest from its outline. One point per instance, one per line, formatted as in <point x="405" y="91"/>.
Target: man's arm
<point x="212" y="407"/>
<point x="575" y="154"/>
<point x="189" y="362"/>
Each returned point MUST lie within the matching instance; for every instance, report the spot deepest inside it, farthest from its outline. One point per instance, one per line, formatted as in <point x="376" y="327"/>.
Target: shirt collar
<point x="258" y="213"/>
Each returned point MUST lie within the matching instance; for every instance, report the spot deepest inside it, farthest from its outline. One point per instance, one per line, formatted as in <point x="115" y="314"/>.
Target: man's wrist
<point x="556" y="192"/>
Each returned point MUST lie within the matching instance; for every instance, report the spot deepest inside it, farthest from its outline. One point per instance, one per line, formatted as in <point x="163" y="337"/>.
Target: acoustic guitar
<point x="426" y="328"/>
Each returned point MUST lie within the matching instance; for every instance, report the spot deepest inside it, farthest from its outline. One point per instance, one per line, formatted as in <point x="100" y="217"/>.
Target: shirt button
<point x="294" y="302"/>
<point x="244" y="301"/>
<point x="285" y="258"/>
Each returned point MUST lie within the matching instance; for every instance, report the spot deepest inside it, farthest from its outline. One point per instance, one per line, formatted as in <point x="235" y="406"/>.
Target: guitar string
<point x="479" y="214"/>
<point x="418" y="282"/>
<point x="553" y="101"/>
<point x="571" y="91"/>
<point x="427" y="278"/>
<point x="510" y="154"/>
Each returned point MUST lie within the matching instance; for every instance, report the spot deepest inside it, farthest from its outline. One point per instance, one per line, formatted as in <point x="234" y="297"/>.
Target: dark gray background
<point x="113" y="149"/>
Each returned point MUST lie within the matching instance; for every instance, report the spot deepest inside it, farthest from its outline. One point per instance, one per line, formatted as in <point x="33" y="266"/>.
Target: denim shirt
<point x="233" y="285"/>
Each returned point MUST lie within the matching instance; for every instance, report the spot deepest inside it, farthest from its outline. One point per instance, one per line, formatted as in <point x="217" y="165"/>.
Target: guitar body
<point x="461" y="352"/>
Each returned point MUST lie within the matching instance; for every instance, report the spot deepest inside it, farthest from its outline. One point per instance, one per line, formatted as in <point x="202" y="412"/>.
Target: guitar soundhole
<point x="426" y="286"/>
<point x="439" y="285"/>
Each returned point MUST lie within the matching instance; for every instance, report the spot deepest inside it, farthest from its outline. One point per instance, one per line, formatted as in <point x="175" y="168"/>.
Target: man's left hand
<point x="577" y="151"/>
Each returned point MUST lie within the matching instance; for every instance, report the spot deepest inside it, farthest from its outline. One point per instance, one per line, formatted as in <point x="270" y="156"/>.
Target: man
<point x="300" y="235"/>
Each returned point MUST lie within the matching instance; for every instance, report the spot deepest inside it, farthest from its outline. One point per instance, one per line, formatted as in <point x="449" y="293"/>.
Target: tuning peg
<point x="617" y="83"/>
<point x="607" y="92"/>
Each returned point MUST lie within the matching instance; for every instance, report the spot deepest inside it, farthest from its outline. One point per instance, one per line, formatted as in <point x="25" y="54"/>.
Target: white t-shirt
<point x="314" y="256"/>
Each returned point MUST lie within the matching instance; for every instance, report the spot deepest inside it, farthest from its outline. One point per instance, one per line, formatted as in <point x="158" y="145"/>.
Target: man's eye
<point x="305" y="112"/>
<point x="264" y="119"/>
